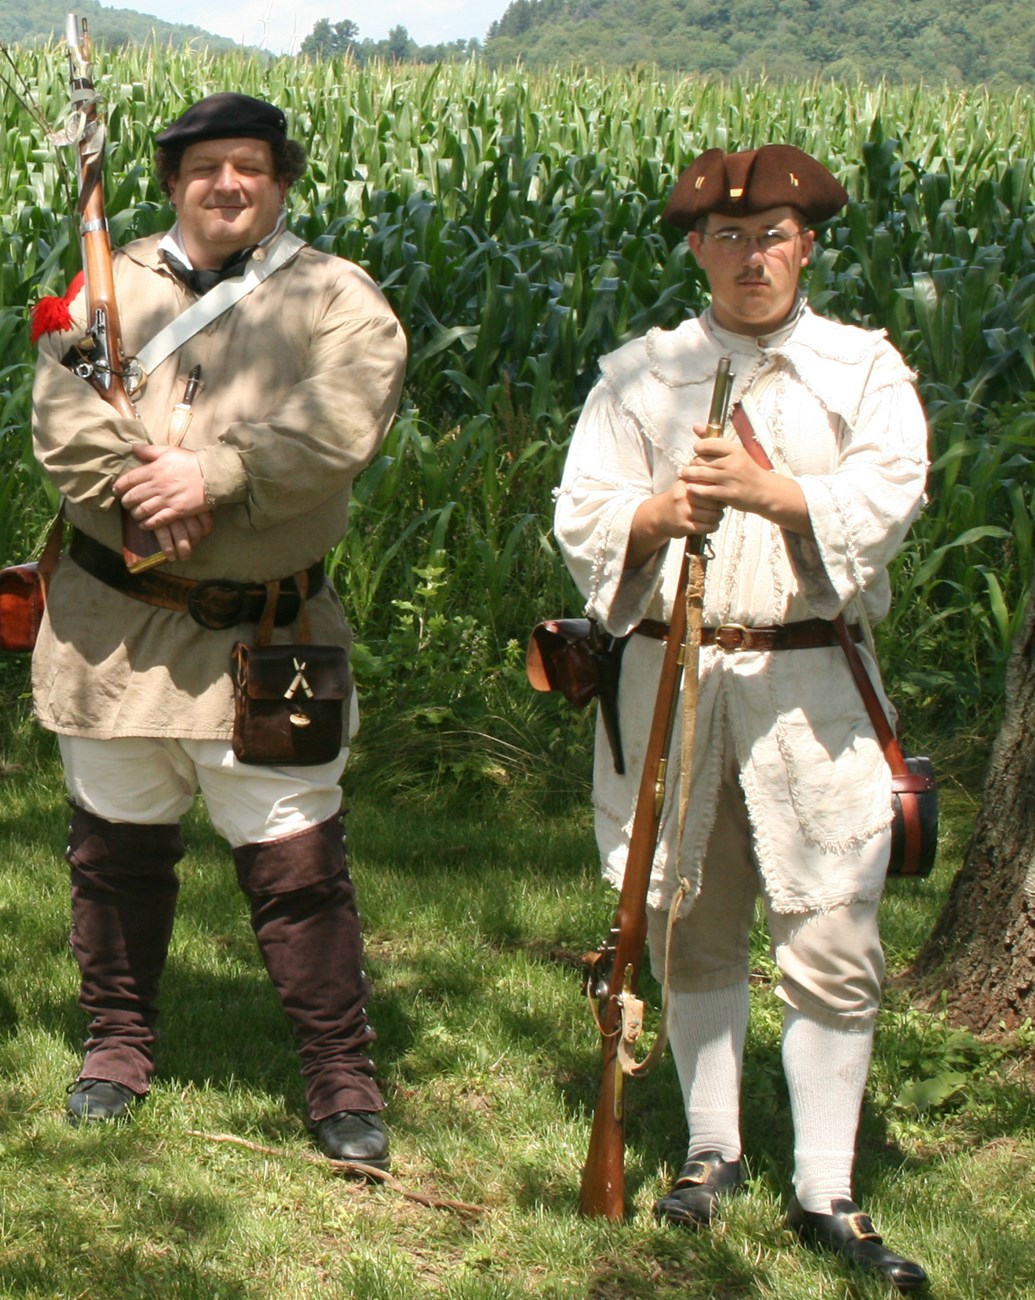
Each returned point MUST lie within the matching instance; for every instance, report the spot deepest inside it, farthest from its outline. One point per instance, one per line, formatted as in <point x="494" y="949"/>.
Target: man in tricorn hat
<point x="255" y="418"/>
<point x="790" y="796"/>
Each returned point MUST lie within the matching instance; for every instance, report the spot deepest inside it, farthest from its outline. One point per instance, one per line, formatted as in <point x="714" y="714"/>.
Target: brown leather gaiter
<point x="124" y="890"/>
<point x="304" y="915"/>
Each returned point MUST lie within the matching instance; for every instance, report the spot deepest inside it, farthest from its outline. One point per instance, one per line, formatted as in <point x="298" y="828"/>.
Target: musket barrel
<point x="602" y="1189"/>
<point x="720" y="399"/>
<point x="140" y="547"/>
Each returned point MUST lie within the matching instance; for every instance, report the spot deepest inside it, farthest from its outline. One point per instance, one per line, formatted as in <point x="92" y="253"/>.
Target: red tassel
<point x="53" y="313"/>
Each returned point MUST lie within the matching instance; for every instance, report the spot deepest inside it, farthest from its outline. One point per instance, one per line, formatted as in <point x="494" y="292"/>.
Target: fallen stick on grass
<point x="348" y="1167"/>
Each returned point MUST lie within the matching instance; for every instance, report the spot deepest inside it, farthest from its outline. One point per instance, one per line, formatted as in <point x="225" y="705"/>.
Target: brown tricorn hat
<point x="738" y="184"/>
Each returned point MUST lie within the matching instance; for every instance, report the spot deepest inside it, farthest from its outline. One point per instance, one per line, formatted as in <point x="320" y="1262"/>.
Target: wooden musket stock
<point x="104" y="360"/>
<point x="616" y="967"/>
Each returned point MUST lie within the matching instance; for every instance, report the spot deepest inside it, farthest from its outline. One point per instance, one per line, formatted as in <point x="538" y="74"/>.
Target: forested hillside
<point x="988" y="41"/>
<point x="25" y="21"/>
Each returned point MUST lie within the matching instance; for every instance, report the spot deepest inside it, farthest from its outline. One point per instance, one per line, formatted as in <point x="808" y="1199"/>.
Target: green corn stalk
<point x="516" y="230"/>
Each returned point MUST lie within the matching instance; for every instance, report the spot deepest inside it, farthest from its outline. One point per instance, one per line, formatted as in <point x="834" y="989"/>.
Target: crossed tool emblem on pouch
<point x="299" y="686"/>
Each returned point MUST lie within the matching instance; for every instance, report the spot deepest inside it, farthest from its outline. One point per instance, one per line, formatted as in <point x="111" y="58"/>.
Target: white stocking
<point x="826" y="1072"/>
<point x="707" y="1032"/>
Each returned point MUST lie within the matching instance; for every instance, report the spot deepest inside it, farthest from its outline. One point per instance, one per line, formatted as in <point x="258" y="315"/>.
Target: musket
<point x="611" y="975"/>
<point x="99" y="358"/>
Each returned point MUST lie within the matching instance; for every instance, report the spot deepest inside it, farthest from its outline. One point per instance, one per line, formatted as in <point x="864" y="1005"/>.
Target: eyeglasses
<point x="739" y="241"/>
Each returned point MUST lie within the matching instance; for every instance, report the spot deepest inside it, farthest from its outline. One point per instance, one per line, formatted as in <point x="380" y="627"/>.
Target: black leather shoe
<point x="693" y="1200"/>
<point x="90" y="1100"/>
<point x="356" y="1135"/>
<point x="850" y="1233"/>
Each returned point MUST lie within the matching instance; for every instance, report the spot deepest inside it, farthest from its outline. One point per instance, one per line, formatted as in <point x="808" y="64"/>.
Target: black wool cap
<point x="225" y="116"/>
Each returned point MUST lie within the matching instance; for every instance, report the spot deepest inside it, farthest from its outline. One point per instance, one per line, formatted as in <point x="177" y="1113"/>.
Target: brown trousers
<point x="304" y="916"/>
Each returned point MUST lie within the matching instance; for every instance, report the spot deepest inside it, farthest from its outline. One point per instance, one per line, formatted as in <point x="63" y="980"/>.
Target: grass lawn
<point x="475" y="920"/>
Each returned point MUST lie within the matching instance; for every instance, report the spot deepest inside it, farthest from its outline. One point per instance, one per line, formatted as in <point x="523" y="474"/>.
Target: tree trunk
<point x="981" y="953"/>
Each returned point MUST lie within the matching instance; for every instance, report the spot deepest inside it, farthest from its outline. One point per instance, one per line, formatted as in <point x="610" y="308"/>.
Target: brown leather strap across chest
<point x="809" y="634"/>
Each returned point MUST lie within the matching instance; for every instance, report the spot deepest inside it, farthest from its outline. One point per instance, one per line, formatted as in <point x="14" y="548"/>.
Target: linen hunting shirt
<point x="300" y="382"/>
<point x="834" y="406"/>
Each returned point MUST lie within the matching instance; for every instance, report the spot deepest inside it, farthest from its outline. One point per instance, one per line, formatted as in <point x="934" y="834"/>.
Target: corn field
<point x="514" y="222"/>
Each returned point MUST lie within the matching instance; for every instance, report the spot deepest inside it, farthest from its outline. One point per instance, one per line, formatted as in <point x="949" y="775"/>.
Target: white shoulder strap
<point x="211" y="305"/>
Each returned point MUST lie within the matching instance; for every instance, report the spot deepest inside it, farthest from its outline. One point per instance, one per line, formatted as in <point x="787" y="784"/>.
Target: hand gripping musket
<point x="611" y="975"/>
<point x="99" y="357"/>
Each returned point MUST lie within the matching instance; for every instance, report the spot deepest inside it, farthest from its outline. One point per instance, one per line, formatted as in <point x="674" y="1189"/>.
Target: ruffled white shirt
<point x="834" y="406"/>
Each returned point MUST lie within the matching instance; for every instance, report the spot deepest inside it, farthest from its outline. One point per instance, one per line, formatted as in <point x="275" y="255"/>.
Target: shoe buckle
<point x="703" y="1173"/>
<point x="694" y="1174"/>
<point x="862" y="1227"/>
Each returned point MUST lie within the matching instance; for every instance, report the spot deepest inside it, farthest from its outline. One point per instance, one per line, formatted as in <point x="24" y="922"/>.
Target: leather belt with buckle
<point x="808" y="634"/>
<point x="213" y="603"/>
